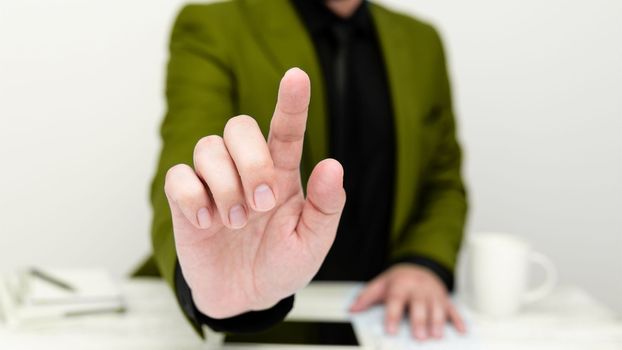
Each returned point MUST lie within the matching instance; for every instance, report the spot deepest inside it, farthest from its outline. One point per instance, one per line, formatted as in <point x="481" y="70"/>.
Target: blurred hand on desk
<point x="416" y="289"/>
<point x="246" y="237"/>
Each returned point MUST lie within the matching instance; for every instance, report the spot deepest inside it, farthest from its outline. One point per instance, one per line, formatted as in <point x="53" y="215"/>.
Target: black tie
<point x="340" y="70"/>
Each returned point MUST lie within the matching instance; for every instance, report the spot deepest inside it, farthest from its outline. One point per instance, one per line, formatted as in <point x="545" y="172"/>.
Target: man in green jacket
<point x="233" y="232"/>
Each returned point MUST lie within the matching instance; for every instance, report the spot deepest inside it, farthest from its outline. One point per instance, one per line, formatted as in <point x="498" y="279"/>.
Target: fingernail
<point x="421" y="334"/>
<point x="392" y="329"/>
<point x="437" y="333"/>
<point x="237" y="216"/>
<point x="205" y="220"/>
<point x="264" y="198"/>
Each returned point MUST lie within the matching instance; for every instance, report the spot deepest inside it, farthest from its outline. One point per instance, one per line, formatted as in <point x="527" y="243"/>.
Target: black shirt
<point x="362" y="138"/>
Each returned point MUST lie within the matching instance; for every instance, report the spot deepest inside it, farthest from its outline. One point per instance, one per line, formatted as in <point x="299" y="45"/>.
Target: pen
<point x="52" y="280"/>
<point x="118" y="310"/>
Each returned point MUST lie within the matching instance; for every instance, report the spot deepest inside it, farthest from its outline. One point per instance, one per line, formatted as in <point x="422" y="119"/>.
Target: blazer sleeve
<point x="436" y="228"/>
<point x="199" y="96"/>
<point x="200" y="99"/>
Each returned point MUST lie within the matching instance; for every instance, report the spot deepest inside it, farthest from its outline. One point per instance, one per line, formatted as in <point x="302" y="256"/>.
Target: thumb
<point x="322" y="209"/>
<point x="371" y="294"/>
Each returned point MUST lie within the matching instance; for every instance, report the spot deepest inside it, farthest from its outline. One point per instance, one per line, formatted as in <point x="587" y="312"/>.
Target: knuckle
<point x="206" y="147"/>
<point x="173" y="174"/>
<point x="392" y="318"/>
<point x="257" y="166"/>
<point x="207" y="142"/>
<point x="394" y="313"/>
<point x="237" y="122"/>
<point x="396" y="293"/>
<point x="187" y="193"/>
<point x="395" y="310"/>
<point x="227" y="193"/>
<point x="367" y="293"/>
<point x="419" y="320"/>
<point x="438" y="314"/>
<point x="176" y="185"/>
<point x="175" y="169"/>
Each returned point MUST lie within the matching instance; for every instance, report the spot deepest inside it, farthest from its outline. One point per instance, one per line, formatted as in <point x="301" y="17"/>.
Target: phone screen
<point x="300" y="332"/>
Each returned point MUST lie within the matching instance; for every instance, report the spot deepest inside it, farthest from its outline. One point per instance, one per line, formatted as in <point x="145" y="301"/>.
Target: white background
<point x="538" y="90"/>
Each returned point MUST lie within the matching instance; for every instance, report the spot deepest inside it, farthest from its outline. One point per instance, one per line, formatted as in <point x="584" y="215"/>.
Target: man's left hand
<point x="416" y="289"/>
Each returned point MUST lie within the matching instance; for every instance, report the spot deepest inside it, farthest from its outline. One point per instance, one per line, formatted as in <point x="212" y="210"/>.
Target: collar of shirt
<point x="318" y="18"/>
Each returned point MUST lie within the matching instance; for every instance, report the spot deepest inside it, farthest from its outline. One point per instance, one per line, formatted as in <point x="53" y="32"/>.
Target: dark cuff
<point x="252" y="321"/>
<point x="439" y="270"/>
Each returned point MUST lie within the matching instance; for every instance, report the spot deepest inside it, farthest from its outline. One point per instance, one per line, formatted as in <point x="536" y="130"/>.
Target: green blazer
<point x="227" y="58"/>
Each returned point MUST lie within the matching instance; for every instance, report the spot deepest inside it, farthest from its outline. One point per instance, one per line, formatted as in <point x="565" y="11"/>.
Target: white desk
<point x="568" y="319"/>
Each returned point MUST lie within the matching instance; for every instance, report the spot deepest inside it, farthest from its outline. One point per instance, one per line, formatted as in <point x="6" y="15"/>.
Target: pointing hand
<point x="246" y="237"/>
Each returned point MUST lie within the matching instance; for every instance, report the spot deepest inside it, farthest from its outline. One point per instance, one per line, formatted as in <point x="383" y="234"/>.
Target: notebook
<point x="38" y="294"/>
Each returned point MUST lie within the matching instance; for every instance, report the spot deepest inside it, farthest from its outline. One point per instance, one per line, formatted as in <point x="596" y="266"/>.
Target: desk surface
<point x="567" y="319"/>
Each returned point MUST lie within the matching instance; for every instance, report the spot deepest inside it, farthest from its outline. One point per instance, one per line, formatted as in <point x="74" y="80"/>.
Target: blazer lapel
<point x="287" y="42"/>
<point x="399" y="64"/>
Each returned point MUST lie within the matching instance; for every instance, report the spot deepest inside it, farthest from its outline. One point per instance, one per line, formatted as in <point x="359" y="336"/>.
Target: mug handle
<point x="550" y="280"/>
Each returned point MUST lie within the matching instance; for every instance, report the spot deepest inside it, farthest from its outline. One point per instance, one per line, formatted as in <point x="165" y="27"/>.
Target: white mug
<point x="499" y="265"/>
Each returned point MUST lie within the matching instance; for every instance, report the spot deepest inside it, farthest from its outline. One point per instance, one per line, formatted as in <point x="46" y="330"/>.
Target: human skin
<point x="240" y="218"/>
<point x="246" y="237"/>
<point x="416" y="289"/>
<point x="343" y="8"/>
<point x="405" y="286"/>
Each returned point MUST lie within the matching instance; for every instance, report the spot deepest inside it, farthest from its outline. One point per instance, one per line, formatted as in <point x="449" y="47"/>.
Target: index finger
<point x="289" y="121"/>
<point x="456" y="319"/>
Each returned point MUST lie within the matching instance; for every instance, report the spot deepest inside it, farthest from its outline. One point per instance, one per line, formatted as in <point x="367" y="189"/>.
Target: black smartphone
<point x="300" y="332"/>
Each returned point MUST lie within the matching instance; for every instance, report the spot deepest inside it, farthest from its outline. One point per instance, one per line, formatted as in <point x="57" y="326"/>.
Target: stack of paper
<point x="40" y="294"/>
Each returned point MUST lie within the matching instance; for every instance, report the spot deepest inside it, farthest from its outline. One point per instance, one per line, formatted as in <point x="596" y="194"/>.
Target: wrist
<point x="217" y="308"/>
<point x="251" y="321"/>
<point x="439" y="270"/>
<point x="220" y="308"/>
